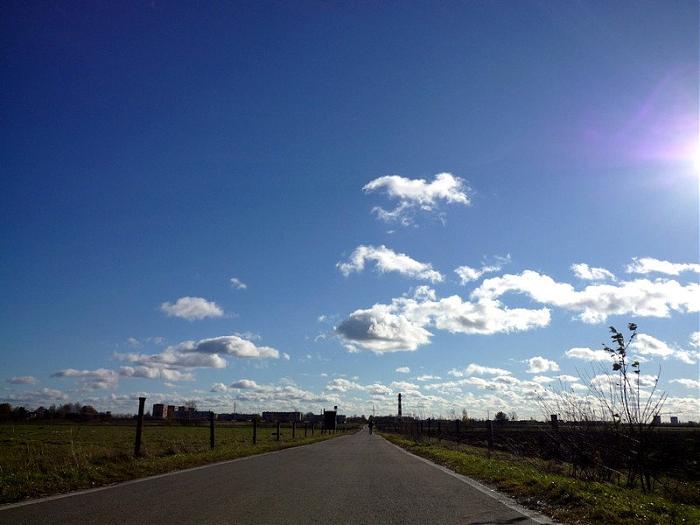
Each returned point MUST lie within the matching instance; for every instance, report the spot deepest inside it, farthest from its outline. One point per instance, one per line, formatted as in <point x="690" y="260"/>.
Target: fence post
<point x="457" y="426"/>
<point x="255" y="430"/>
<point x="294" y="429"/>
<point x="278" y="431"/>
<point x="139" y="427"/>
<point x="306" y="429"/>
<point x="490" y="436"/>
<point x="212" y="440"/>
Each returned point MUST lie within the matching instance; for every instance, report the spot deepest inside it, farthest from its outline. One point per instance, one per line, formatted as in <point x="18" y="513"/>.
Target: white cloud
<point x="467" y="273"/>
<point x="379" y="330"/>
<point x="22" y="380"/>
<point x="474" y="369"/>
<point x="219" y="387"/>
<point x="688" y="383"/>
<point x="647" y="345"/>
<point x="543" y="380"/>
<point x="91" y="379"/>
<point x="387" y="260"/>
<point x="343" y="385"/>
<point x="237" y="283"/>
<point x="588" y="354"/>
<point x="645" y="265"/>
<point x="246" y="384"/>
<point x="641" y="297"/>
<point x="413" y="194"/>
<point x="695" y="339"/>
<point x="539" y="364"/>
<point x="402" y="324"/>
<point x="589" y="273"/>
<point x="192" y="308"/>
<point x="233" y="345"/>
<point x="403" y="370"/>
<point x="176" y="362"/>
<point x="155" y="372"/>
<point x="134" y="343"/>
<point x="428" y="377"/>
<point x="35" y="398"/>
<point x="171" y="357"/>
<point x="404" y="386"/>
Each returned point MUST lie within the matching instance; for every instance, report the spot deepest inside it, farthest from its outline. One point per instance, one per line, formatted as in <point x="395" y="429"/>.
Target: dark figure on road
<point x="370" y="425"/>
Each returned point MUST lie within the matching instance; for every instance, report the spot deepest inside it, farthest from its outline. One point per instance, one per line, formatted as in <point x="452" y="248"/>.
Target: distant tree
<point x="88" y="410"/>
<point x="513" y="416"/>
<point x="5" y="411"/>
<point x="20" y="414"/>
<point x="191" y="404"/>
<point x="501" y="417"/>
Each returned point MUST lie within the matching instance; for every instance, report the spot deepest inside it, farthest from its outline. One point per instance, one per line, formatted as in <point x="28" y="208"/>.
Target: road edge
<point x="34" y="501"/>
<point x="509" y="502"/>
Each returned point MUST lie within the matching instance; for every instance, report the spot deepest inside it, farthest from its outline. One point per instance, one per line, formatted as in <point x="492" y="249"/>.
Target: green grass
<point x="543" y="486"/>
<point x="44" y="459"/>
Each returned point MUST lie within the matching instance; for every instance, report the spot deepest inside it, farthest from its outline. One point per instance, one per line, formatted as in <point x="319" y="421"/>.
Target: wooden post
<point x="139" y="427"/>
<point x="212" y="440"/>
<point x="306" y="429"/>
<point x="278" y="431"/>
<point x="294" y="429"/>
<point x="457" y="426"/>
<point x="255" y="430"/>
<point x="312" y="429"/>
<point x="490" y="436"/>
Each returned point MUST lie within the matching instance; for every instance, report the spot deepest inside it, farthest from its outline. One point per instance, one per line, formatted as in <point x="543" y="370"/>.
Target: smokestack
<point x="399" y="405"/>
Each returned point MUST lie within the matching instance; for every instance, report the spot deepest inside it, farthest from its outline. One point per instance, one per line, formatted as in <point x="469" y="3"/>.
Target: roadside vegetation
<point x="45" y="459"/>
<point x="546" y="486"/>
<point x="603" y="458"/>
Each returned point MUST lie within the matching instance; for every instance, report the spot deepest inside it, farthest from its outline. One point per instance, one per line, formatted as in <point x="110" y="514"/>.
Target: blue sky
<point x="151" y="152"/>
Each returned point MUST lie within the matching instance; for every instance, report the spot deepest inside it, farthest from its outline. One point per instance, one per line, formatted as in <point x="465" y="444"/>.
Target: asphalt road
<point x="352" y="479"/>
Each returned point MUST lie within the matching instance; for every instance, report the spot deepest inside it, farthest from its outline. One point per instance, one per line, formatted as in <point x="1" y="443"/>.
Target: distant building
<point x="657" y="420"/>
<point x="236" y="417"/>
<point x="282" y="417"/>
<point x="158" y="411"/>
<point x="674" y="420"/>
<point x="171" y="412"/>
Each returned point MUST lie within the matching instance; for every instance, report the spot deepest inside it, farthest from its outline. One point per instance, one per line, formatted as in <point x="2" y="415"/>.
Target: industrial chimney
<point x="399" y="405"/>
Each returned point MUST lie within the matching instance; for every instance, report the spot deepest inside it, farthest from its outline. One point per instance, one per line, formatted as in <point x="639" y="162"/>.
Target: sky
<point x="295" y="205"/>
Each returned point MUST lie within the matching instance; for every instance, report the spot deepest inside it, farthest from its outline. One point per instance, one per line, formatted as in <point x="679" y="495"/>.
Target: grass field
<point x="43" y="459"/>
<point x="544" y="486"/>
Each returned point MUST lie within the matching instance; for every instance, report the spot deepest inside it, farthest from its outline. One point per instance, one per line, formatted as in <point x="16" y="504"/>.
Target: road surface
<point x="360" y="478"/>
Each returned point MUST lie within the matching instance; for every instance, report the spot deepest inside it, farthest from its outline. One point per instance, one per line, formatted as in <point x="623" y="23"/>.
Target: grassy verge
<point x="40" y="460"/>
<point x="566" y="499"/>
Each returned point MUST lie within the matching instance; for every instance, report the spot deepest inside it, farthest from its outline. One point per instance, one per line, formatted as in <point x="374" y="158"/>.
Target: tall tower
<point x="399" y="405"/>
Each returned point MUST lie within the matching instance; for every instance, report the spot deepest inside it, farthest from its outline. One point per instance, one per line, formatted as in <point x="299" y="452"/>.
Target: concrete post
<point x="212" y="440"/>
<point x="139" y="427"/>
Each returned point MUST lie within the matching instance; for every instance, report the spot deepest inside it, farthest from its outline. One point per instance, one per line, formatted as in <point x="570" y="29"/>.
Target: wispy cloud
<point x="588" y="273"/>
<point x="418" y="194"/>
<point x="387" y="260"/>
<point x="645" y="265"/>
<point x="237" y="283"/>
